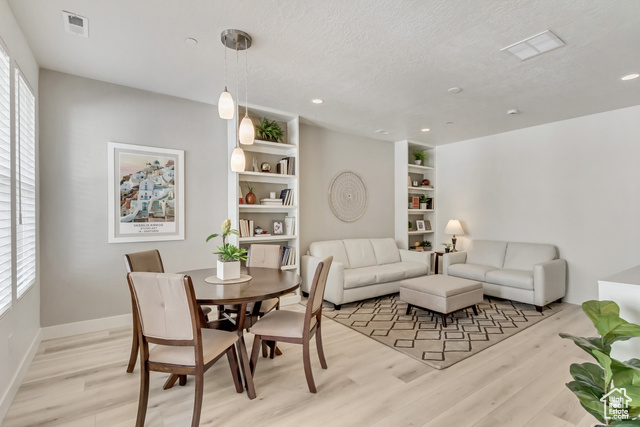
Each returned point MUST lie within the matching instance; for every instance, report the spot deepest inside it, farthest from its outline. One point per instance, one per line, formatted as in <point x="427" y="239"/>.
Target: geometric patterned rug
<point x="421" y="334"/>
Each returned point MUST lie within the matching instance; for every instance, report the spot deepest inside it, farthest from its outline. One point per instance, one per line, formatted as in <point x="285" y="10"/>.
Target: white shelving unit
<point x="405" y="168"/>
<point x="264" y="183"/>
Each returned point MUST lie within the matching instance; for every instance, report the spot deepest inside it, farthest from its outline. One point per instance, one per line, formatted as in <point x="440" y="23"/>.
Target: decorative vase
<point x="446" y="250"/>
<point x="250" y="198"/>
<point x="423" y="206"/>
<point x="427" y="248"/>
<point x="417" y="162"/>
<point x="228" y="270"/>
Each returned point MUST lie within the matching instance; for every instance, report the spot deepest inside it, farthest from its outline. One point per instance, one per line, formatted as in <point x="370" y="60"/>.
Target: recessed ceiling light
<point x="191" y="41"/>
<point x="534" y="45"/>
<point x="454" y="89"/>
<point x="382" y="132"/>
<point x="425" y="130"/>
<point x="449" y="123"/>
<point x="512" y="111"/>
<point x="630" y="76"/>
<point x="317" y="101"/>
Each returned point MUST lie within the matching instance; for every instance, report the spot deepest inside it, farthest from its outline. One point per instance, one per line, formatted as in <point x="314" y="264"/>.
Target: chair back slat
<point x="163" y="305"/>
<point x="316" y="294"/>
<point x="147" y="261"/>
<point x="266" y="256"/>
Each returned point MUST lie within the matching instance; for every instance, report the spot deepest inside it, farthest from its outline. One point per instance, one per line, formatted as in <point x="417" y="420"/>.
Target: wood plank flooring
<point x="81" y="381"/>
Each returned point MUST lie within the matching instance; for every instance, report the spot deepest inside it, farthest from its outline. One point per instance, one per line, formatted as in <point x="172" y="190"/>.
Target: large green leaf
<point x="588" y="400"/>
<point x="626" y="372"/>
<point x="625" y="423"/>
<point x="589" y="344"/>
<point x="590" y="375"/>
<point x="613" y="328"/>
<point x="605" y="362"/>
<point x="594" y="309"/>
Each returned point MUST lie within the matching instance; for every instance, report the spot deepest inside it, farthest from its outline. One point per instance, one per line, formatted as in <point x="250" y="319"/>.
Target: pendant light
<point x="246" y="132"/>
<point x="225" y="102"/>
<point x="238" y="161"/>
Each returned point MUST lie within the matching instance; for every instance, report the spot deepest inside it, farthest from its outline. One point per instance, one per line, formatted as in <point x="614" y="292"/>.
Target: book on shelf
<point x="286" y="166"/>
<point x="286" y="196"/>
<point x="245" y="227"/>
<point x="271" y="202"/>
<point x="416" y="202"/>
<point x="288" y="256"/>
<point x="289" y="225"/>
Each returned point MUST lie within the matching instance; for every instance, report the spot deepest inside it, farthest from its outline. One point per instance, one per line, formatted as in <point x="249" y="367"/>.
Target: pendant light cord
<point x="246" y="79"/>
<point x="225" y="62"/>
<point x="237" y="86"/>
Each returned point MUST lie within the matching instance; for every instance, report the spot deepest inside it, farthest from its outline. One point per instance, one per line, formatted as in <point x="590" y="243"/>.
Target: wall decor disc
<point x="348" y="196"/>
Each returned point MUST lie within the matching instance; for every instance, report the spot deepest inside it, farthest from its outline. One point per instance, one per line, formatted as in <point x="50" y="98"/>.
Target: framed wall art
<point x="146" y="193"/>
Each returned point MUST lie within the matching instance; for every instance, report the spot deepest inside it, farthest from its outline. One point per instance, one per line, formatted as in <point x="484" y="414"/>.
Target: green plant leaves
<point x="212" y="236"/>
<point x="269" y="130"/>
<point x="229" y="252"/>
<point x="590" y="375"/>
<point x="588" y="399"/>
<point x="589" y="344"/>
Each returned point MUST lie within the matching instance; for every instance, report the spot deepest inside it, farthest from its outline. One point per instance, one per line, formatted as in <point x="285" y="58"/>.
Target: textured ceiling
<point x="378" y="64"/>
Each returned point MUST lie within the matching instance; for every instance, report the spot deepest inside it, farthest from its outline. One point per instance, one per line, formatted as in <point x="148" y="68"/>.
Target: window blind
<point x="25" y="186"/>
<point x="5" y="182"/>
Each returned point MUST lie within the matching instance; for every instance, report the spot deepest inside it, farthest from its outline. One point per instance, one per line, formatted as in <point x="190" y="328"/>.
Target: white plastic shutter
<point x="5" y="182"/>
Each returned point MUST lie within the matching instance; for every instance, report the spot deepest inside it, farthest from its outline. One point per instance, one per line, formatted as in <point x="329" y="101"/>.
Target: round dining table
<point x="265" y="283"/>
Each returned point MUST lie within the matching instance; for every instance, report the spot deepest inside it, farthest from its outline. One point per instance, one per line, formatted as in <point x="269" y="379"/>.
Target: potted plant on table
<point x="229" y="256"/>
<point x="609" y="390"/>
<point x="269" y="130"/>
<point x="447" y="247"/>
<point x="419" y="157"/>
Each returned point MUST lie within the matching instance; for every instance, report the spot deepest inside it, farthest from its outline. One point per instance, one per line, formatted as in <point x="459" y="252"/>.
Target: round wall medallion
<point x="348" y="196"/>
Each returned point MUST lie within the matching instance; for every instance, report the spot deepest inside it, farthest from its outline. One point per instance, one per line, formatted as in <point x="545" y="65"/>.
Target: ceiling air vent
<point x="75" y="24"/>
<point x="535" y="45"/>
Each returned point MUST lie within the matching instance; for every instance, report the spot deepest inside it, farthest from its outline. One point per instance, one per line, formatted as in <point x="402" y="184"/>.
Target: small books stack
<point x="246" y="227"/>
<point x="286" y="196"/>
<point x="288" y="256"/>
<point x="286" y="166"/>
<point x="271" y="202"/>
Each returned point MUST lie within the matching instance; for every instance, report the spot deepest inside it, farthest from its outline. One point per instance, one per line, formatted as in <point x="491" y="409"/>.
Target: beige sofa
<point x="524" y="272"/>
<point x="362" y="268"/>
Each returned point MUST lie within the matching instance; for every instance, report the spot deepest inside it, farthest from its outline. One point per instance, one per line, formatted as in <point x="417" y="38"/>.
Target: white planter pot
<point x="418" y="162"/>
<point x="423" y="206"/>
<point x="228" y="270"/>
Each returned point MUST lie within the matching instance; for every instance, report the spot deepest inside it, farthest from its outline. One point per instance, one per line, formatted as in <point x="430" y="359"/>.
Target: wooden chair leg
<point x="235" y="368"/>
<point x="272" y="346"/>
<point x="197" y="404"/>
<point x="278" y="352"/>
<point x="183" y="380"/>
<point x="323" y="361"/>
<point x="170" y="381"/>
<point x="144" y="395"/>
<point x="307" y="367"/>
<point x="134" y="349"/>
<point x="254" y="352"/>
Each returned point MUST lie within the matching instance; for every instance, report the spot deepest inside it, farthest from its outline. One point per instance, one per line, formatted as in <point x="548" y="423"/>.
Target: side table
<point x="438" y="255"/>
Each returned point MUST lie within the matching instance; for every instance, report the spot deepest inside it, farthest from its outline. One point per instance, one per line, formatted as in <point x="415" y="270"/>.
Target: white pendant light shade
<point x="237" y="160"/>
<point x="246" y="133"/>
<point x="225" y="105"/>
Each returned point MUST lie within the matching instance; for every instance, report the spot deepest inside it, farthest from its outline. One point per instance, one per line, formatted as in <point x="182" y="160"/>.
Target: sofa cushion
<point x="487" y="252"/>
<point x="329" y="248"/>
<point x="413" y="269"/>
<point x="388" y="272"/>
<point x="360" y="253"/>
<point x="469" y="271"/>
<point x="511" y="278"/>
<point x="357" y="277"/>
<point x="386" y="251"/>
<point x="523" y="256"/>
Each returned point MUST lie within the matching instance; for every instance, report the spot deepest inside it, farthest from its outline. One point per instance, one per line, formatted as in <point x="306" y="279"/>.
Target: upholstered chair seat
<point x="282" y="323"/>
<point x="214" y="342"/>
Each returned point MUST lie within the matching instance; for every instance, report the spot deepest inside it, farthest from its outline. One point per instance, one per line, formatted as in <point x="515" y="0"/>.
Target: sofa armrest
<point x="415" y="256"/>
<point x="334" y="289"/>
<point x="549" y="281"/>
<point x="452" y="258"/>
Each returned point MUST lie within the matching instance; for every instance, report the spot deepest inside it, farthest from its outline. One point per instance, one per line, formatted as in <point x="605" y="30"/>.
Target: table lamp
<point x="453" y="227"/>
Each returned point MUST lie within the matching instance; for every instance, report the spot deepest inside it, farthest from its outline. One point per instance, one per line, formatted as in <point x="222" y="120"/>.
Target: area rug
<point x="421" y="334"/>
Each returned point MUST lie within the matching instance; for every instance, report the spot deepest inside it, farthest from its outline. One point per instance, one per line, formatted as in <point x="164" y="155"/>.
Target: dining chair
<point x="167" y="314"/>
<point x="295" y="327"/>
<point x="148" y="262"/>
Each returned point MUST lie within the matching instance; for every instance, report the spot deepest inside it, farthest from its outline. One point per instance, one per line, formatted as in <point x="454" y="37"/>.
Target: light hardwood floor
<point x="81" y="381"/>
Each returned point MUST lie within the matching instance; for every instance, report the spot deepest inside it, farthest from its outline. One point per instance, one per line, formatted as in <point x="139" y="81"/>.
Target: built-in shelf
<point x="289" y="267"/>
<point x="269" y="147"/>
<point x="278" y="238"/>
<point x="419" y="169"/>
<point x="272" y="178"/>
<point x="419" y="211"/>
<point x="266" y="208"/>
<point x="421" y="189"/>
<point x="421" y="232"/>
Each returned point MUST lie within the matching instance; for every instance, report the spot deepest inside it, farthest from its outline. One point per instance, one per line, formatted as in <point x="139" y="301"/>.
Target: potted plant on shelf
<point x="410" y="226"/>
<point x="419" y="157"/>
<point x="447" y="247"/>
<point x="250" y="198"/>
<point x="423" y="202"/>
<point x="426" y="245"/>
<point x="609" y="390"/>
<point x="229" y="256"/>
<point x="269" y="130"/>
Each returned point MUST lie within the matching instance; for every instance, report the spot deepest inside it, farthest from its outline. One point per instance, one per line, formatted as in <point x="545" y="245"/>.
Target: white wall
<point x="83" y="276"/>
<point x="574" y="183"/>
<point x="20" y="326"/>
<point x="325" y="153"/>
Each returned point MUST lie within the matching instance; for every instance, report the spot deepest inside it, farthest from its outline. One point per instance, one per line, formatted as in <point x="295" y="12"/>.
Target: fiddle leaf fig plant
<point x="610" y="389"/>
<point x="228" y="252"/>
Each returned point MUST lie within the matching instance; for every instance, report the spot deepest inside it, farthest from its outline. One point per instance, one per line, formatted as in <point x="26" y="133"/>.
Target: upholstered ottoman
<point x="441" y="294"/>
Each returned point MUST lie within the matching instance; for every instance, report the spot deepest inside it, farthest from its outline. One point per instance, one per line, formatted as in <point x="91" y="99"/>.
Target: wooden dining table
<point x="265" y="283"/>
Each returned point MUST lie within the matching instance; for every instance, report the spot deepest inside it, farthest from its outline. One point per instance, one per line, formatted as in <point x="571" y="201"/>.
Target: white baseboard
<point x="85" y="327"/>
<point x="16" y="381"/>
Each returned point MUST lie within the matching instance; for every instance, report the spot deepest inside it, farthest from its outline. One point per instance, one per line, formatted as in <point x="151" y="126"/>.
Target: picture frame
<point x="278" y="227"/>
<point x="145" y="193"/>
<point x="427" y="225"/>
<point x="420" y="225"/>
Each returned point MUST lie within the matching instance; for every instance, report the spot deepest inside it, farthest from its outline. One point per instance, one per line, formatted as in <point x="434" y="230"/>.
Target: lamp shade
<point x="453" y="227"/>
<point x="246" y="133"/>
<point x="225" y="105"/>
<point x="237" y="160"/>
